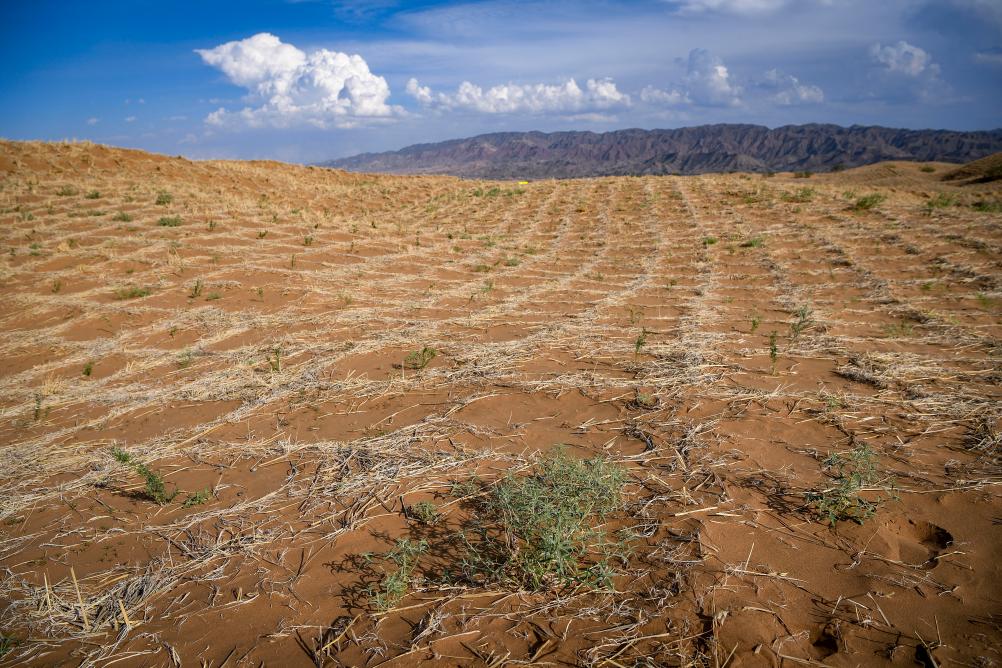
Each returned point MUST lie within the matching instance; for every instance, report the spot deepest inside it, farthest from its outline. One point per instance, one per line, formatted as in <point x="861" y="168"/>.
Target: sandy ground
<point x="243" y="329"/>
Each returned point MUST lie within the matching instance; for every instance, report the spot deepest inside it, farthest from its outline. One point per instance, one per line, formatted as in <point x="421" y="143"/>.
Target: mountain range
<point x="692" y="150"/>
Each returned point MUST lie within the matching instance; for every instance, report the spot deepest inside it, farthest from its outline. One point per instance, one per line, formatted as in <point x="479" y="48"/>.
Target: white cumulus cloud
<point x="709" y="81"/>
<point x="788" y="90"/>
<point x="904" y="58"/>
<point x="524" y="98"/>
<point x="668" y="98"/>
<point x="291" y="87"/>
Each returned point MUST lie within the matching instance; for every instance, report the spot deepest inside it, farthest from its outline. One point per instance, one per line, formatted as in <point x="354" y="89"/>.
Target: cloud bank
<point x="904" y="58"/>
<point x="568" y="97"/>
<point x="323" y="88"/>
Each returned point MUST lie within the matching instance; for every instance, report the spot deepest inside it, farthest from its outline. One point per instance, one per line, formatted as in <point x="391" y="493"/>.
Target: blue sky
<point x="308" y="80"/>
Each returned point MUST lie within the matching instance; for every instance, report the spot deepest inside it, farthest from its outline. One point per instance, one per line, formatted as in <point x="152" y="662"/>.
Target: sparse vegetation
<point x="132" y="292"/>
<point x="419" y="359"/>
<point x="169" y="221"/>
<point x="842" y="499"/>
<point x="156" y="488"/>
<point x="867" y="202"/>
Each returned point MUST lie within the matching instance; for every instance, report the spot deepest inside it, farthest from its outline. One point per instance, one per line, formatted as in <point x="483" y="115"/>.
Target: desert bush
<point x="842" y="500"/>
<point x="801" y="195"/>
<point x="169" y="221"/>
<point x="131" y="292"/>
<point x="394" y="585"/>
<point x="540" y="530"/>
<point x="156" y="489"/>
<point x="867" y="202"/>
<point x="419" y="359"/>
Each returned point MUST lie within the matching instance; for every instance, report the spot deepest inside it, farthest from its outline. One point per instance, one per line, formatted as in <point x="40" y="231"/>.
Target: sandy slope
<point x="256" y="350"/>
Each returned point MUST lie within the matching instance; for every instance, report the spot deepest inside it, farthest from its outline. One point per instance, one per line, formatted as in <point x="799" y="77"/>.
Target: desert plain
<point x="254" y="413"/>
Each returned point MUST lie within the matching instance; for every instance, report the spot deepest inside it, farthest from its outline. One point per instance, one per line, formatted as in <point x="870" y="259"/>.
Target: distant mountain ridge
<point x="692" y="150"/>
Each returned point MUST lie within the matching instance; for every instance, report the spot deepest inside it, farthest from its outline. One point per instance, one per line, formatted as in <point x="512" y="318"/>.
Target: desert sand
<point x="254" y="413"/>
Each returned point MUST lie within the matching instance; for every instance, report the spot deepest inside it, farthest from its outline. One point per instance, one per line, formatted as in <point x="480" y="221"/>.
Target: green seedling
<point x="419" y="359"/>
<point x="773" y="351"/>
<point x="156" y="489"/>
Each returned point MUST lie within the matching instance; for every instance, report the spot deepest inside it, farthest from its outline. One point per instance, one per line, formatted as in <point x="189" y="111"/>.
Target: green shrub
<point x="169" y="221"/>
<point x="867" y="202"/>
<point x="419" y="359"/>
<point x="546" y="528"/>
<point x="132" y="292"/>
<point x="843" y="500"/>
<point x="394" y="585"/>
<point x="156" y="489"/>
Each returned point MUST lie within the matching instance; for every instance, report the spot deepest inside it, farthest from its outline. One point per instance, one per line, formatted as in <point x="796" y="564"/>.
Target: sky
<point x="310" y="80"/>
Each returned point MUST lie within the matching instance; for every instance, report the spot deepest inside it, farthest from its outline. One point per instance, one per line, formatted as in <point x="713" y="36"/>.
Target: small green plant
<point x="132" y="292"/>
<point x="544" y="529"/>
<point x="419" y="359"/>
<point x="308" y="240"/>
<point x="803" y="175"/>
<point x="640" y="341"/>
<point x="262" y="234"/>
<point x="803" y="322"/>
<point x="275" y="361"/>
<point x="197" y="499"/>
<point x="512" y="262"/>
<point x="773" y="351"/>
<point x="156" y="489"/>
<point x="212" y="225"/>
<point x="754" y="242"/>
<point x="644" y="400"/>
<point x="39" y="413"/>
<point x="867" y="202"/>
<point x="88" y="369"/>
<point x="212" y="296"/>
<point x="394" y="585"/>
<point x="755" y="322"/>
<point x="900" y="329"/>
<point x="7" y="643"/>
<point x="196" y="289"/>
<point x="709" y="241"/>
<point x="57" y="285"/>
<point x="93" y="194"/>
<point x="185" y="359"/>
<point x="122" y="217"/>
<point x="169" y="221"/>
<point x="941" y="201"/>
<point x="983" y="300"/>
<point x="66" y="191"/>
<point x="928" y="169"/>
<point x="987" y="207"/>
<point x="850" y="473"/>
<point x="164" y="198"/>
<point x="800" y="196"/>
<point x="424" y="512"/>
